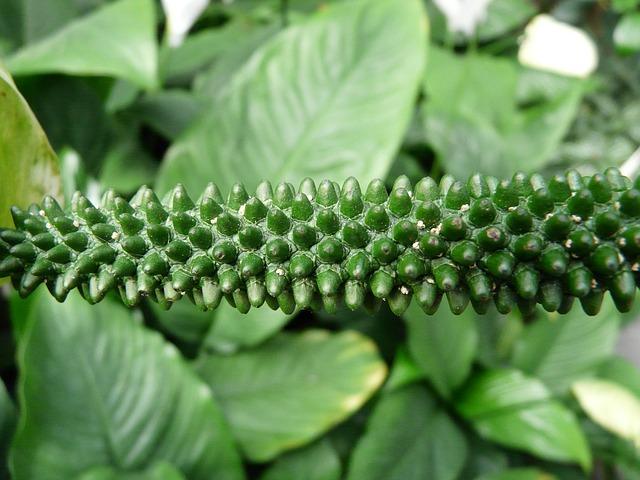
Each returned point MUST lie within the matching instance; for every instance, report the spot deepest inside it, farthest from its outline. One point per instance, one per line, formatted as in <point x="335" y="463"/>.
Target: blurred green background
<point x="98" y="94"/>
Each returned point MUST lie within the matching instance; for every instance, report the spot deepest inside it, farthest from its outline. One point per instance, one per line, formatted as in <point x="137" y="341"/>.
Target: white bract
<point x="463" y="16"/>
<point x="181" y="15"/>
<point x="558" y="47"/>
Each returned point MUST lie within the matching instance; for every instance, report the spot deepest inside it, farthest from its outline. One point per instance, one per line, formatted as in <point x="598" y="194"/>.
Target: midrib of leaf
<point x="94" y="392"/>
<point x="343" y="81"/>
<point x="251" y="389"/>
<point x="88" y="379"/>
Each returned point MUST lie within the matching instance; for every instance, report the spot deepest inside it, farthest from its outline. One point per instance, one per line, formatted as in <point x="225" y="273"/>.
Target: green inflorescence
<point x="512" y="243"/>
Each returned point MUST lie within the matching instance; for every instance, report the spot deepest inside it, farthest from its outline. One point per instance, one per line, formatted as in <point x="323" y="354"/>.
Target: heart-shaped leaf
<point x="97" y="389"/>
<point x="292" y="388"/>
<point x="330" y="96"/>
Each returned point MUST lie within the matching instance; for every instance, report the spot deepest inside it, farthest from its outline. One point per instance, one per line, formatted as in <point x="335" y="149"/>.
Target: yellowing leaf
<point x="28" y="165"/>
<point x="610" y="405"/>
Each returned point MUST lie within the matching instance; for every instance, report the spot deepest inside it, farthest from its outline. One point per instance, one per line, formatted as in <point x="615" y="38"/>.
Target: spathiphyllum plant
<point x="319" y="240"/>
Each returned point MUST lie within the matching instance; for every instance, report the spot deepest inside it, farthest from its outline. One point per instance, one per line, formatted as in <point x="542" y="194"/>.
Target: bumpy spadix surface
<point x="514" y="243"/>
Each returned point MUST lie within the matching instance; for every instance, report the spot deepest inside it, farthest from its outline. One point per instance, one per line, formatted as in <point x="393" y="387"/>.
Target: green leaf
<point x="497" y="335"/>
<point x="232" y="330"/>
<point x="126" y="166"/>
<point x="504" y="16"/>
<point x="213" y="82"/>
<point x="77" y="121"/>
<point x="40" y="19"/>
<point x="473" y="122"/>
<point x="518" y="474"/>
<point x="624" y="5"/>
<point x="517" y="411"/>
<point x="293" y="388"/>
<point x="206" y="47"/>
<point x="318" y="461"/>
<point x="626" y="35"/>
<point x="160" y="471"/>
<point x="168" y="112"/>
<point x="8" y="420"/>
<point x="614" y="450"/>
<point x="559" y="349"/>
<point x="484" y="458"/>
<point x="443" y="345"/>
<point x="96" y="384"/>
<point x="610" y="405"/>
<point x="116" y="40"/>
<point x="622" y="371"/>
<point x="309" y="101"/>
<point x="404" y="372"/>
<point x="10" y="25"/>
<point x="28" y="167"/>
<point x="409" y="437"/>
<point x="184" y="321"/>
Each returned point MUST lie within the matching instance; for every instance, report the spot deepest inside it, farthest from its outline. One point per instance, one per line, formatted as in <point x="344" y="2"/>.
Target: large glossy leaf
<point x="473" y="122"/>
<point x="97" y="389"/>
<point x="330" y="96"/>
<point x="443" y="345"/>
<point x="232" y="330"/>
<point x="409" y="437"/>
<point x="116" y="40"/>
<point x="517" y="411"/>
<point x="291" y="389"/>
<point x="318" y="461"/>
<point x="28" y="167"/>
<point x="559" y="349"/>
<point x="610" y="405"/>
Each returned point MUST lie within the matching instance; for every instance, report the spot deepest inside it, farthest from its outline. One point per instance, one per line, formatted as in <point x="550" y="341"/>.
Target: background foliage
<point x="284" y="90"/>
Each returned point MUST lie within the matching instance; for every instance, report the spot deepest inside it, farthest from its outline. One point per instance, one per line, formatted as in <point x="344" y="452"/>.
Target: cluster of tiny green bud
<point x="513" y="243"/>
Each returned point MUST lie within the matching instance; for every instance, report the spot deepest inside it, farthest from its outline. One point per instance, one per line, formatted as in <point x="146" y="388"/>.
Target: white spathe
<point x="557" y="47"/>
<point x="181" y="15"/>
<point x="463" y="16"/>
